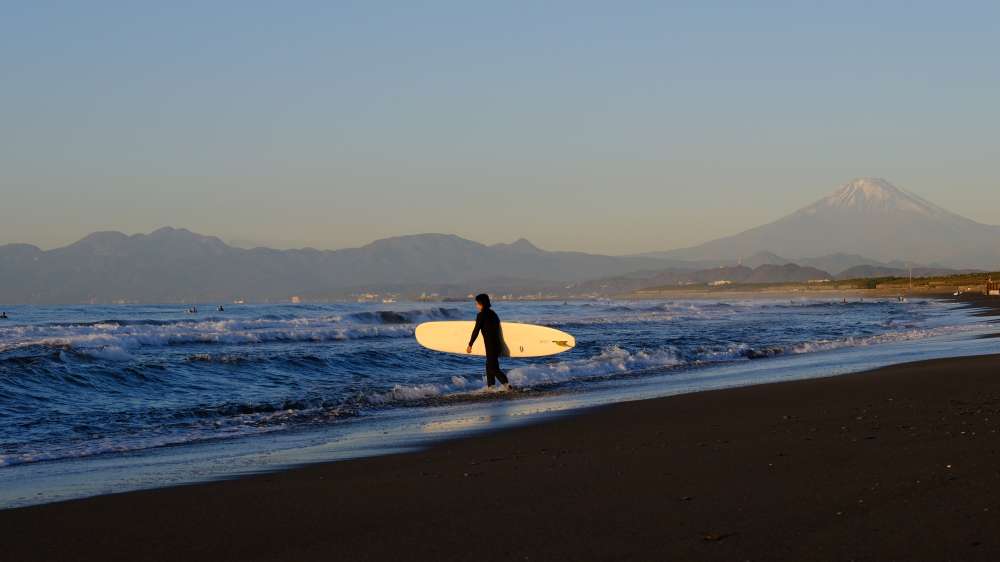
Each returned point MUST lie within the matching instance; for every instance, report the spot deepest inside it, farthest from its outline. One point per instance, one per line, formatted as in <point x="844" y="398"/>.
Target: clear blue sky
<point x="601" y="126"/>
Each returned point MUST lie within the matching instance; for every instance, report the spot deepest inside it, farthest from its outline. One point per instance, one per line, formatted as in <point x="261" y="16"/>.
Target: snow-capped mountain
<point x="877" y="197"/>
<point x="869" y="217"/>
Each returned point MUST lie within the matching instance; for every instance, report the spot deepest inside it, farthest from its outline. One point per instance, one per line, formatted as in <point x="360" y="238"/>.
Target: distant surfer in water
<point x="488" y="322"/>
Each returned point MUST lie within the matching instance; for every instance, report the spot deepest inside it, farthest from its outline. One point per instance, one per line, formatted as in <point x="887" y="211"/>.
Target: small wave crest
<point x="120" y="342"/>
<point x="406" y="316"/>
<point x="611" y="360"/>
<point x="118" y="339"/>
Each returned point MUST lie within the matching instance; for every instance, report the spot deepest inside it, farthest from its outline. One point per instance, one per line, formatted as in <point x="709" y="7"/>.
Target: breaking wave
<point x="408" y="316"/>
<point x="117" y="339"/>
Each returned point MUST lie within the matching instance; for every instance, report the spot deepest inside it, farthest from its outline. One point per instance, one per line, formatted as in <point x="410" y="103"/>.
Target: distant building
<point x="992" y="287"/>
<point x="720" y="283"/>
<point x="296" y="300"/>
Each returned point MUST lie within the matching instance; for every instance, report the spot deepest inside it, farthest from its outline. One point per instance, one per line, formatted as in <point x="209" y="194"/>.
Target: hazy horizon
<point x="249" y="244"/>
<point x="577" y="126"/>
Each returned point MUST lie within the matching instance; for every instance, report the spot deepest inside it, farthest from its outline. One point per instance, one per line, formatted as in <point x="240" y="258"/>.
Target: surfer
<point x="488" y="323"/>
<point x="3" y="315"/>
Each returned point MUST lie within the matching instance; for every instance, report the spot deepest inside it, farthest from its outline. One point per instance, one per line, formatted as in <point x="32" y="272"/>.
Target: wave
<point x="406" y="316"/>
<point x="615" y="361"/>
<point x="423" y="391"/>
<point x="105" y="341"/>
<point x="610" y="361"/>
<point x="117" y="340"/>
<point x="119" y="346"/>
<point x="877" y="339"/>
<point x="115" y="322"/>
<point x="679" y="311"/>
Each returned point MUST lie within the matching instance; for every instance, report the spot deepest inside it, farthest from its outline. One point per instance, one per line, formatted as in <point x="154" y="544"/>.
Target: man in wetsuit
<point x="488" y="322"/>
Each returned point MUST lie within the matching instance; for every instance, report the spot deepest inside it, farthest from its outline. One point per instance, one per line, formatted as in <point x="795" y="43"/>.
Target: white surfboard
<point x="522" y="340"/>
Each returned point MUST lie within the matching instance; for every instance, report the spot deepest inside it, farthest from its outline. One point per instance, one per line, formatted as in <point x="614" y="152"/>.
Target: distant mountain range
<point x="866" y="217"/>
<point x="176" y="265"/>
<point x="842" y="236"/>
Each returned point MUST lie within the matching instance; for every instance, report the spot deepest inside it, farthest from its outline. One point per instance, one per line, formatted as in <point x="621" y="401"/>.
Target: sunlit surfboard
<point x="521" y="340"/>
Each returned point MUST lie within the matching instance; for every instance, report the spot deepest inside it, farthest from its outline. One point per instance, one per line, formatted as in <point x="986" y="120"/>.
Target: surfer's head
<point x="482" y="301"/>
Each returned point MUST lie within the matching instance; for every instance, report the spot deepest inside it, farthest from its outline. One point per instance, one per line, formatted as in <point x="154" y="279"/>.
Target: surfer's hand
<point x="468" y="349"/>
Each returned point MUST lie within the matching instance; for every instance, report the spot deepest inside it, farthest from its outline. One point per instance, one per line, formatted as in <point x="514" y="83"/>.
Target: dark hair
<point x="483" y="299"/>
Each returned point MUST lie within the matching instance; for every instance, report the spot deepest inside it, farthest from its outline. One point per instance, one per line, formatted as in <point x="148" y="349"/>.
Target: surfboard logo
<point x="561" y="343"/>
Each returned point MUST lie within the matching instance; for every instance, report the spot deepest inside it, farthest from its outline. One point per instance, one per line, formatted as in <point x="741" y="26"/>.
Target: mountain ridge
<point x="174" y="265"/>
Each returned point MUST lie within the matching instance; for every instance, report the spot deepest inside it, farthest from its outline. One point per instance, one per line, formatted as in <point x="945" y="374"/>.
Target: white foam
<point x="403" y="393"/>
<point x="113" y="341"/>
<point x="411" y="393"/>
<point x="109" y="353"/>
<point x="611" y="361"/>
<point x="888" y="337"/>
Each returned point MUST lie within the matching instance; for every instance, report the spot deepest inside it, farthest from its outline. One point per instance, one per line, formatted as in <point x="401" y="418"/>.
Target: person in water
<point x="3" y="315"/>
<point x="488" y="323"/>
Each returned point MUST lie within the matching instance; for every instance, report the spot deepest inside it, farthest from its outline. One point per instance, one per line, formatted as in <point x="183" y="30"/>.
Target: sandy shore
<point x="901" y="463"/>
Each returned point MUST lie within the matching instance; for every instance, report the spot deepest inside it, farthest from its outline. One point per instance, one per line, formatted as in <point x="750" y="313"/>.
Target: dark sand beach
<point x="900" y="463"/>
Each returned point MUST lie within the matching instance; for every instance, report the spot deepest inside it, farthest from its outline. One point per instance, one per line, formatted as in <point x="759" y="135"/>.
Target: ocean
<point x="105" y="398"/>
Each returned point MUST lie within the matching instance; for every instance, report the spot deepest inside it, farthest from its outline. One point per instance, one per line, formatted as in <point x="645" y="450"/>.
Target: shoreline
<point x="895" y="463"/>
<point x="867" y="466"/>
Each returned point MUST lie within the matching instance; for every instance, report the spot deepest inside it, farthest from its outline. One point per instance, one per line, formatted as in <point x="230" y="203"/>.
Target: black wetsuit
<point x="488" y="322"/>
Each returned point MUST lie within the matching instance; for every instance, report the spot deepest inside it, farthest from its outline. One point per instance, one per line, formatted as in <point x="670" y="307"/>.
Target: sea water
<point x="105" y="398"/>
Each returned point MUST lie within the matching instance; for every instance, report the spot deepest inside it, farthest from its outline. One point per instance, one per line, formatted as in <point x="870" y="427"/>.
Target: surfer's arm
<point x="475" y="331"/>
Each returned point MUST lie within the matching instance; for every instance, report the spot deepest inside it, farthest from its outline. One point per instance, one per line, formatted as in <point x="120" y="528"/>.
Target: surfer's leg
<point x="490" y="370"/>
<point x="493" y="371"/>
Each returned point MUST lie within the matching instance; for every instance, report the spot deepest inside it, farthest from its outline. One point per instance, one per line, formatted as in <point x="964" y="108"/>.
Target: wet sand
<point x="900" y="463"/>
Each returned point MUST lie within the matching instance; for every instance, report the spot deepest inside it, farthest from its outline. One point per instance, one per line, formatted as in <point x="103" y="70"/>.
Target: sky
<point x="612" y="127"/>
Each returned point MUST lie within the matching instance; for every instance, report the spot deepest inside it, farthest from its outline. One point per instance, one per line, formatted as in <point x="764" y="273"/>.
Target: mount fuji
<point x="869" y="217"/>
